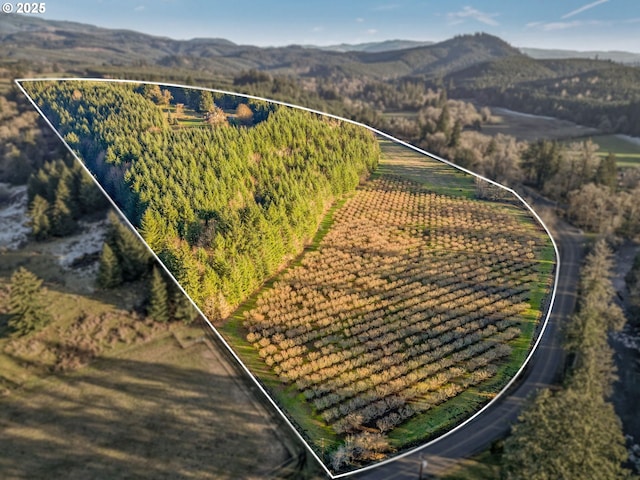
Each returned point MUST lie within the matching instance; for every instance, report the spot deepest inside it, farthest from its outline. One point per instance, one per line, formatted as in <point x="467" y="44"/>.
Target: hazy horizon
<point x="582" y="25"/>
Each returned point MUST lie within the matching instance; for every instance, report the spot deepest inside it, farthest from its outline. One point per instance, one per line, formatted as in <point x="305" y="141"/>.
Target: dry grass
<point x="156" y="411"/>
<point x="102" y="392"/>
<point x="531" y="128"/>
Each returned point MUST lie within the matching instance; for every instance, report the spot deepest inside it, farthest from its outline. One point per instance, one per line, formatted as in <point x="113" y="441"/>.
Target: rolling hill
<point x="40" y="42"/>
<point x="599" y="93"/>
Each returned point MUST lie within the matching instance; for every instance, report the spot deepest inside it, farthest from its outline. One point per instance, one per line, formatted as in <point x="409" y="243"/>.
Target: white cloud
<point x="372" y="31"/>
<point x="554" y="26"/>
<point x="561" y="25"/>
<point x="318" y="29"/>
<point x="359" y="20"/>
<point x="385" y="7"/>
<point x="583" y="8"/>
<point x="456" y="18"/>
<point x="139" y="8"/>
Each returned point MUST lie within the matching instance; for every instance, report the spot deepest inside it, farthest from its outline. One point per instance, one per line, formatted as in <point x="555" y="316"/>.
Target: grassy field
<point x="532" y="128"/>
<point x="627" y="152"/>
<point x="156" y="410"/>
<point x="401" y="161"/>
<point x="189" y="117"/>
<point x="102" y="392"/>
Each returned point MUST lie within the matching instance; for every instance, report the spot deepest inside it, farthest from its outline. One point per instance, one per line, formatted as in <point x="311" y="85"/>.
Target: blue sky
<point x="570" y="24"/>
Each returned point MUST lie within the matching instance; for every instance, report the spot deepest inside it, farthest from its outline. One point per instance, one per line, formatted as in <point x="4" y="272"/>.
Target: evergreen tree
<point x="206" y="101"/>
<point x="39" y="215"/>
<point x="38" y="184"/>
<point x="587" y="429"/>
<point x="158" y="297"/>
<point x="72" y="139"/>
<point x="442" y="125"/>
<point x="227" y="178"/>
<point x="109" y="272"/>
<point x="133" y="255"/>
<point x="152" y="230"/>
<point x="25" y="303"/>
<point x="541" y="161"/>
<point x="578" y="417"/>
<point x="91" y="199"/>
<point x="607" y="173"/>
<point x="63" y="218"/>
<point x="183" y="309"/>
<point x="454" y="141"/>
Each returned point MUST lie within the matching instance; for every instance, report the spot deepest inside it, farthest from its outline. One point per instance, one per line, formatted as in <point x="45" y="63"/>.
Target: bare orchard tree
<point x="216" y="117"/>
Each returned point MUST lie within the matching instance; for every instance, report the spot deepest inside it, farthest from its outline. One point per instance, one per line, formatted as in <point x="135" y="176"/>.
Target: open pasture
<point x="626" y="150"/>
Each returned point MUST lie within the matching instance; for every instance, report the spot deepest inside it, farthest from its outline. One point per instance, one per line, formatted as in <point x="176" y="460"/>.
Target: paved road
<point x="543" y="371"/>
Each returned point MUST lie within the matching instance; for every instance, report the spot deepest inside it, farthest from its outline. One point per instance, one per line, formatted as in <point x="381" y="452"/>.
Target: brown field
<point x="157" y="410"/>
<point x="104" y="393"/>
<point x="531" y="128"/>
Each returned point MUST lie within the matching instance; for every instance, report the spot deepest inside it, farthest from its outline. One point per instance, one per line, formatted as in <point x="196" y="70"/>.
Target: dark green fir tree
<point x="109" y="272"/>
<point x="25" y="303"/>
<point x="158" y="297"/>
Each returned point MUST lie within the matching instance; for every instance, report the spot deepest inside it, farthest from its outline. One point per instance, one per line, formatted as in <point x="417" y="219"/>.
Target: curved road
<point x="542" y="371"/>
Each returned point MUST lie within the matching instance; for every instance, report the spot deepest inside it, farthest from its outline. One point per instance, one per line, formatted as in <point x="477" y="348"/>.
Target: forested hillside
<point x="238" y="199"/>
<point x="597" y="93"/>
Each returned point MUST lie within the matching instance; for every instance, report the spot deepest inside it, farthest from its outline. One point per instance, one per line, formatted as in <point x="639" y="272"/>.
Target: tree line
<point x="124" y="259"/>
<point x="59" y="194"/>
<point x="579" y="416"/>
<point x="223" y="206"/>
<point x="599" y="196"/>
<point x="25" y="140"/>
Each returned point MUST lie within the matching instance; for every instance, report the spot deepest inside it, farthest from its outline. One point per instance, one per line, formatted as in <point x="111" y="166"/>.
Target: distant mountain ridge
<point x="558" y="54"/>
<point x="37" y="40"/>
<point x="372" y="47"/>
<point x="600" y="93"/>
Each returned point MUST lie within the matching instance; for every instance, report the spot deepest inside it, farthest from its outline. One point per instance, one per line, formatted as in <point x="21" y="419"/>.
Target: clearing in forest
<point x="380" y="297"/>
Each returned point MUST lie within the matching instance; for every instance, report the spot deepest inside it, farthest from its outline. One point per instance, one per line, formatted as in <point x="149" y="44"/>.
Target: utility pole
<point x="423" y="466"/>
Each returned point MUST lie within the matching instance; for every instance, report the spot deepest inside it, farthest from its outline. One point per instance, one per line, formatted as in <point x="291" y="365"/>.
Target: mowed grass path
<point x="400" y="161"/>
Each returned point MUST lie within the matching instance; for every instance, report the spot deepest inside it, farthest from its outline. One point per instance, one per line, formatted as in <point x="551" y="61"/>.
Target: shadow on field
<point x="136" y="419"/>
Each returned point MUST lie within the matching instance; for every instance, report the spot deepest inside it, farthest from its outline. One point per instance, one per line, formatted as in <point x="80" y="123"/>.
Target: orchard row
<point x="410" y="299"/>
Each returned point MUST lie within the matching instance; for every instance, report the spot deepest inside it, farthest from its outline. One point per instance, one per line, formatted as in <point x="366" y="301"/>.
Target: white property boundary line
<point x="219" y="336"/>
